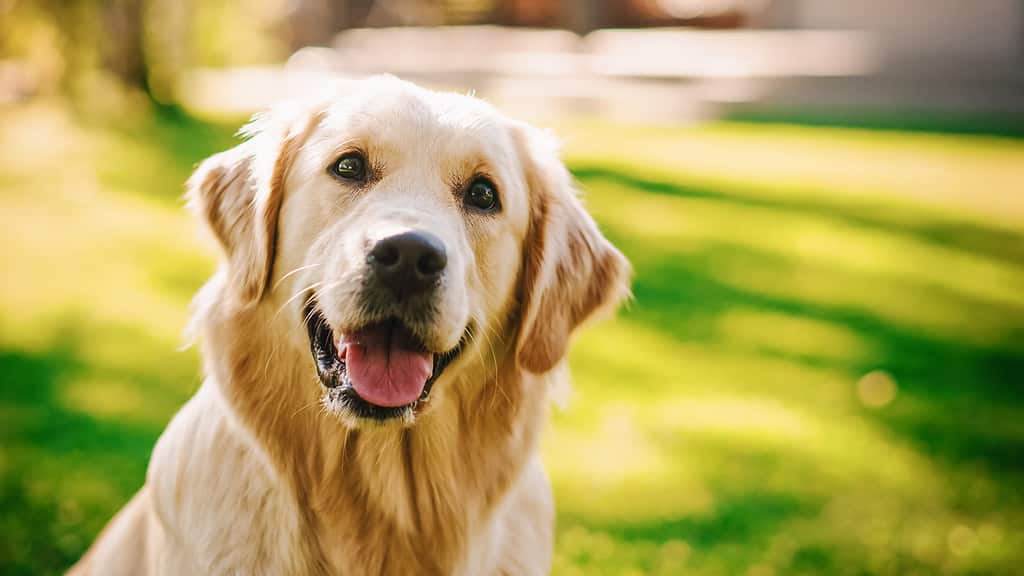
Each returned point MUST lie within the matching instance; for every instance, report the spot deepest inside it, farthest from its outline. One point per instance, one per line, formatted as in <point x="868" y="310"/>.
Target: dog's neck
<point x="384" y="498"/>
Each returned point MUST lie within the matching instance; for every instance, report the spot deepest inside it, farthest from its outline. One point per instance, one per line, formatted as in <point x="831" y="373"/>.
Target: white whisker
<point x="318" y="401"/>
<point x="293" y="272"/>
<point x="298" y="293"/>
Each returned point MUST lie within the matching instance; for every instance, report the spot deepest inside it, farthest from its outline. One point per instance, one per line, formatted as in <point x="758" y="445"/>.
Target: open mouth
<point x="379" y="371"/>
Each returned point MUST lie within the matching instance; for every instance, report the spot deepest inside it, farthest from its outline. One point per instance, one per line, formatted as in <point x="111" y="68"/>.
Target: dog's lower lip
<point x="332" y="370"/>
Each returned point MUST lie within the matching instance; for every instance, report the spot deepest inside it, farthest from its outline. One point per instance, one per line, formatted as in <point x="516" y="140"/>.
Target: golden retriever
<point x="402" y="272"/>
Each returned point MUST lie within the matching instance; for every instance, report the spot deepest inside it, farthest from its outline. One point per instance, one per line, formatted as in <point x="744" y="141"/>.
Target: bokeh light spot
<point x="876" y="389"/>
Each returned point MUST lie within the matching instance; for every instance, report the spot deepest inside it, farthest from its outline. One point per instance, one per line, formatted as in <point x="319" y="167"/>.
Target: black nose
<point x="408" y="263"/>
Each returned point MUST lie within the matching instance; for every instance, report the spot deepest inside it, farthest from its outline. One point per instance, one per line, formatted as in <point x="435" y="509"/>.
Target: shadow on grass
<point x="64" y="472"/>
<point x="748" y="518"/>
<point x="985" y="124"/>
<point x="957" y="387"/>
<point x="901" y="220"/>
<point x="733" y="537"/>
<point x="959" y="399"/>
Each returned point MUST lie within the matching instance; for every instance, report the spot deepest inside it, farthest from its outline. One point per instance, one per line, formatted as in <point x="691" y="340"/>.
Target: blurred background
<point x="821" y="372"/>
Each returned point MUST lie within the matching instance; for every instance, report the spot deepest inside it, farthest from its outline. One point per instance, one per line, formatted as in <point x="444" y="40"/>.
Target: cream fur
<point x="257" y="474"/>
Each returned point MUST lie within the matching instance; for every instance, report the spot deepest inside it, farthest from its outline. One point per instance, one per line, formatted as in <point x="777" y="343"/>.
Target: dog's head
<point x="395" y="229"/>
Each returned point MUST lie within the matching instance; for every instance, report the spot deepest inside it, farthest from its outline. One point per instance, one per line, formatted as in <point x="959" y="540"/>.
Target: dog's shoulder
<point x="217" y="497"/>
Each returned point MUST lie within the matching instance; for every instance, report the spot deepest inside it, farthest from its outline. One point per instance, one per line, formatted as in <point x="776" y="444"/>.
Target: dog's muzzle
<point x="383" y="369"/>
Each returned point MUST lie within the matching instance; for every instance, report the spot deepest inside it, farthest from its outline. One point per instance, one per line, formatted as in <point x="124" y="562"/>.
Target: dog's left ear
<point x="570" y="270"/>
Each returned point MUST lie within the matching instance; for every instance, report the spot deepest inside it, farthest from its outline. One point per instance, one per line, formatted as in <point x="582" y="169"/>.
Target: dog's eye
<point x="483" y="195"/>
<point x="351" y="166"/>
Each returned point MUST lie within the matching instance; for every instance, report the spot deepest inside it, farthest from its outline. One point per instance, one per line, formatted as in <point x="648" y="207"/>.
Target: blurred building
<point x="683" y="59"/>
<point x="939" y="55"/>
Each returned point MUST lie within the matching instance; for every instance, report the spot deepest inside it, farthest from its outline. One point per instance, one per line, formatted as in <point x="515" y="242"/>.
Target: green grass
<point x="820" y="373"/>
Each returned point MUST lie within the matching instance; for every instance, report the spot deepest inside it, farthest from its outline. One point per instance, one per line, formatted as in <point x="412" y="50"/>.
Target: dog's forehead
<point x="398" y="115"/>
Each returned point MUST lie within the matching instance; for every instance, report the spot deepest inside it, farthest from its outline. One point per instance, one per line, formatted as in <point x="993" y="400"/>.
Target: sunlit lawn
<point x="821" y="372"/>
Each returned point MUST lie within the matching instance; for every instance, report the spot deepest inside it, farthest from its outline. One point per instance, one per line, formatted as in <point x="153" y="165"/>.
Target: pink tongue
<point x="383" y="366"/>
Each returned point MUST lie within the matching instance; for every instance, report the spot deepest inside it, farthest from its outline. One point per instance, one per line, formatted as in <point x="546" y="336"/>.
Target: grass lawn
<point x="821" y="372"/>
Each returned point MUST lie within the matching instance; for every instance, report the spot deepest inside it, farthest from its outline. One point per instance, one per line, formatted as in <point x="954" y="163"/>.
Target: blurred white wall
<point x="935" y="56"/>
<point x="945" y="33"/>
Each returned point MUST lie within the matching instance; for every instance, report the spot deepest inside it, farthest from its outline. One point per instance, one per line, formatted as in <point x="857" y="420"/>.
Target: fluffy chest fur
<point x="247" y="479"/>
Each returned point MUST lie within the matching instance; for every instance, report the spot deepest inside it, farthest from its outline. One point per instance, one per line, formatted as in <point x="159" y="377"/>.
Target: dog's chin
<point x="356" y="387"/>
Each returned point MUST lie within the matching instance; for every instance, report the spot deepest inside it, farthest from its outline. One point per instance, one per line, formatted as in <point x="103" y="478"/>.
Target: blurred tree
<point x="122" y="51"/>
<point x="406" y="13"/>
<point x="76" y="29"/>
<point x="537" y="13"/>
<point x="313" y="22"/>
<point x="99" y="52"/>
<point x="584" y="15"/>
<point x="101" y="44"/>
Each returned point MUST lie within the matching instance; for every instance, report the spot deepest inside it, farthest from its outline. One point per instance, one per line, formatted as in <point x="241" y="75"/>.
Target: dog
<point x="402" y="272"/>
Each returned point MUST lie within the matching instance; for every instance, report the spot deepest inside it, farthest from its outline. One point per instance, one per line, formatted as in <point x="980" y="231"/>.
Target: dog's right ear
<point x="238" y="193"/>
<point x="225" y="194"/>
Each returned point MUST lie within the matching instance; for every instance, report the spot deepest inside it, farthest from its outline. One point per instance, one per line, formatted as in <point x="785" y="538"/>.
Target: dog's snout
<point x="408" y="263"/>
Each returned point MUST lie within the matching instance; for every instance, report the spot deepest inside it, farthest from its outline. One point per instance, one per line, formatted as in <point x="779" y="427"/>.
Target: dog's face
<point x="397" y="229"/>
<point x="404" y="214"/>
